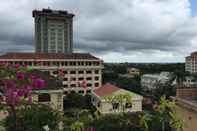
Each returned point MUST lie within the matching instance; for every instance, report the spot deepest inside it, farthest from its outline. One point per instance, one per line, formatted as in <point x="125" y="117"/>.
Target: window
<point x="89" y="85"/>
<point x="81" y="72"/>
<point x="44" y="97"/>
<point x="96" y="71"/>
<point x="73" y="72"/>
<point x="72" y="63"/>
<point x="89" y="63"/>
<point x="65" y="63"/>
<point x="73" y="79"/>
<point x="98" y="104"/>
<point x="89" y="78"/>
<point x="128" y="105"/>
<point x="81" y="92"/>
<point x="65" y="72"/>
<point x="65" y="86"/>
<point x="96" y="78"/>
<point x="65" y="79"/>
<point x="54" y="72"/>
<point x="81" y="78"/>
<point x="72" y="85"/>
<point x="96" y="84"/>
<point x="89" y="72"/>
<point x="115" y="105"/>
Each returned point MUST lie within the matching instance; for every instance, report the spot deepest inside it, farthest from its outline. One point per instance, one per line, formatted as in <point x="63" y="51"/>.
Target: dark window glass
<point x="44" y="98"/>
<point x="115" y="105"/>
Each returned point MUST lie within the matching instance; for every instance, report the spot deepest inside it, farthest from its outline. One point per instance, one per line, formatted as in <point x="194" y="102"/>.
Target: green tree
<point x="165" y="113"/>
<point x="34" y="118"/>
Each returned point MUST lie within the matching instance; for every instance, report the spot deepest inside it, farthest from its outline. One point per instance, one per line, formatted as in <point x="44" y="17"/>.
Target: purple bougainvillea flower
<point x="32" y="77"/>
<point x="17" y="66"/>
<point x="39" y="83"/>
<point x="9" y="84"/>
<point x="20" y="75"/>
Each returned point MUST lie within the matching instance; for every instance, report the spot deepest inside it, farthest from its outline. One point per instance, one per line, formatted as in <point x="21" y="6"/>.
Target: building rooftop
<point x="106" y="90"/>
<point x="194" y="53"/>
<point x="49" y="56"/>
<point x="50" y="12"/>
<point x="111" y="90"/>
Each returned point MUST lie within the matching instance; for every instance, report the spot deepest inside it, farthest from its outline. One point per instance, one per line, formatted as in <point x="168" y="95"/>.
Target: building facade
<point x="153" y="81"/>
<point x="75" y="68"/>
<point x="105" y="106"/>
<point x="52" y="97"/>
<point x="191" y="63"/>
<point x="53" y="31"/>
<point x="133" y="71"/>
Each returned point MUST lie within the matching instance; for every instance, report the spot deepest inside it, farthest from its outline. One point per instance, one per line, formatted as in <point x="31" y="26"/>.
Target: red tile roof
<point x="194" y="53"/>
<point x="48" y="56"/>
<point x="106" y="89"/>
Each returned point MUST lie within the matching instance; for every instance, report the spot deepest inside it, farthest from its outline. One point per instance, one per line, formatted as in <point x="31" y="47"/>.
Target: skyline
<point x="162" y="30"/>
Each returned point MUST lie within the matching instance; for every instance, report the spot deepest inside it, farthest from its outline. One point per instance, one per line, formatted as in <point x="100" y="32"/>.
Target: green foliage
<point x="117" y="122"/>
<point x="77" y="126"/>
<point x="166" y="89"/>
<point x="77" y="101"/>
<point x="33" y="118"/>
<point x="121" y="99"/>
<point x="145" y="121"/>
<point x="165" y="115"/>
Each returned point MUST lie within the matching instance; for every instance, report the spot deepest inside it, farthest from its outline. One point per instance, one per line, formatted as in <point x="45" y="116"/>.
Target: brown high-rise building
<point x="53" y="31"/>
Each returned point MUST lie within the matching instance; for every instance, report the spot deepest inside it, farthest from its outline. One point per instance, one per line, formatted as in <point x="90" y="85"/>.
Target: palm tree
<point x="144" y="120"/>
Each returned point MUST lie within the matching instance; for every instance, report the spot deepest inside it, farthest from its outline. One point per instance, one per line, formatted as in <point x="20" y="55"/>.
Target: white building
<point x="191" y="63"/>
<point x="151" y="81"/>
<point x="189" y="82"/>
<point x="76" y="68"/>
<point x="104" y="99"/>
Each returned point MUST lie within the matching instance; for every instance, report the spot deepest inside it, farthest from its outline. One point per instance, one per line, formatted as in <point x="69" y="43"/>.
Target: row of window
<point x="77" y="85"/>
<point x="82" y="78"/>
<point x="55" y="63"/>
<point x="77" y="72"/>
<point x="81" y="92"/>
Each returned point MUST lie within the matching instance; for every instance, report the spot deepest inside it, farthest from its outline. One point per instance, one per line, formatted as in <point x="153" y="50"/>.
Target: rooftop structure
<point x="53" y="31"/>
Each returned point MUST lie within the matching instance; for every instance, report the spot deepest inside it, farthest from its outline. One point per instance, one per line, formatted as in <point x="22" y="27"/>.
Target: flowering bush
<point x="16" y="85"/>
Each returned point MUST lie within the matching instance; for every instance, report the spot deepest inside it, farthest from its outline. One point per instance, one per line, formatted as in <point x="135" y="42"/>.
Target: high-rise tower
<point x="53" y="31"/>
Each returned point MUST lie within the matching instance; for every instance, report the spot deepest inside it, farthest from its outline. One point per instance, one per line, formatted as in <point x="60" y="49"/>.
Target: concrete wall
<point x="55" y="103"/>
<point x="189" y="117"/>
<point x="106" y="107"/>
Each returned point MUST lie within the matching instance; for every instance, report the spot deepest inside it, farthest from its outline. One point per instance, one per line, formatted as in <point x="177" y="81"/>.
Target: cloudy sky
<point x="114" y="30"/>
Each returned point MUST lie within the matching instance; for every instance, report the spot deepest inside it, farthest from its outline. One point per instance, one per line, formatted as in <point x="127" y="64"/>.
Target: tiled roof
<point x="48" y="56"/>
<point x="194" y="53"/>
<point x="106" y="89"/>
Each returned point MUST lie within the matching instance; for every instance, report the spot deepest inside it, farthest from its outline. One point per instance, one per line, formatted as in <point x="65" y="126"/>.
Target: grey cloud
<point x="108" y="26"/>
